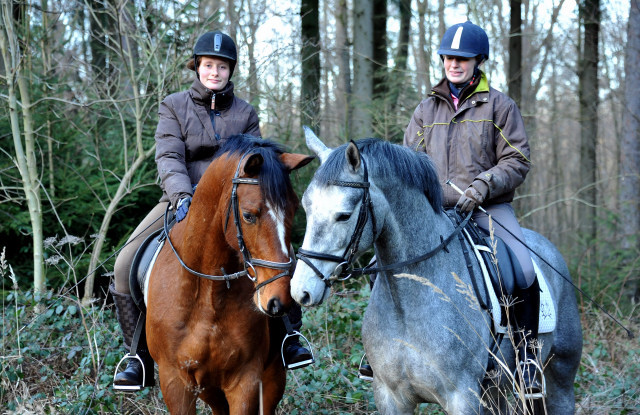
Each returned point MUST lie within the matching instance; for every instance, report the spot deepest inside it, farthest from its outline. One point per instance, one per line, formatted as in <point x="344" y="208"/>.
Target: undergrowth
<point x="57" y="357"/>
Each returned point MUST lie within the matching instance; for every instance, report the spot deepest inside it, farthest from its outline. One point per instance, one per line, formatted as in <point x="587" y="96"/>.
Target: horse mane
<point x="274" y="178"/>
<point x="411" y="168"/>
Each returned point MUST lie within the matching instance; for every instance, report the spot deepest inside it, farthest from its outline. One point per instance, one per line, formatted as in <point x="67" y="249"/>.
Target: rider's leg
<point x="126" y="310"/>
<point x="510" y="232"/>
<point x="527" y="301"/>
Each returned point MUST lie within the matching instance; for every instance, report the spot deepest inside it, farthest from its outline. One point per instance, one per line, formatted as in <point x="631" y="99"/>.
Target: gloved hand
<point x="183" y="208"/>
<point x="472" y="197"/>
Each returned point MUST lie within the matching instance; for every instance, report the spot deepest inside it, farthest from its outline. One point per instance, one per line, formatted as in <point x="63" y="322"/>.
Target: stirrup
<point x="134" y="388"/>
<point x="302" y="363"/>
<point x="360" y="375"/>
<point x="519" y="381"/>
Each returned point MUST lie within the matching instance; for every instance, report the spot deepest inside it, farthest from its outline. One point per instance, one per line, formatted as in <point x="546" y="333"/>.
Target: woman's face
<point x="214" y="72"/>
<point x="458" y="69"/>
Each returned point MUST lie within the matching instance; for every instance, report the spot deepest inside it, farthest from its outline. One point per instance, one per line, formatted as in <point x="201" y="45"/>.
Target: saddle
<point x="502" y="276"/>
<point x="141" y="266"/>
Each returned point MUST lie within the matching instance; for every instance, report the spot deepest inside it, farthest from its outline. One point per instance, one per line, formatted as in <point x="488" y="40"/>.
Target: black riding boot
<point x="295" y="356"/>
<point x="135" y="376"/>
<point x="527" y="310"/>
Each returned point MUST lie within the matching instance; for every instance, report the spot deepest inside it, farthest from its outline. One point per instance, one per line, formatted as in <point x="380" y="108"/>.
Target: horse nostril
<point x="275" y="307"/>
<point x="306" y="299"/>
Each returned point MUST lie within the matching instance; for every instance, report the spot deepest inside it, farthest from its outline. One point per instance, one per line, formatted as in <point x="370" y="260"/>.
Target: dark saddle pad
<point x="142" y="262"/>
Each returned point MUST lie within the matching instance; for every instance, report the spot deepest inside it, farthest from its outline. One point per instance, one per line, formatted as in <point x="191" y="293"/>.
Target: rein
<point x="247" y="261"/>
<point x="343" y="271"/>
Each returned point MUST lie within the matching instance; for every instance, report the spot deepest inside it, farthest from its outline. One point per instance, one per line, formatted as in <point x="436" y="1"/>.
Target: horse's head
<point x="255" y="210"/>
<point x="341" y="224"/>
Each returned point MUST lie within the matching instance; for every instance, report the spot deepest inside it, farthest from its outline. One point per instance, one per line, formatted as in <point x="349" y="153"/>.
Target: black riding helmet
<point x="216" y="44"/>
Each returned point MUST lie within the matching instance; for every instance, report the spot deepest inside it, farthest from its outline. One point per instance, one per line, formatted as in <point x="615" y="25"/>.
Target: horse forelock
<point x="274" y="177"/>
<point x="388" y="161"/>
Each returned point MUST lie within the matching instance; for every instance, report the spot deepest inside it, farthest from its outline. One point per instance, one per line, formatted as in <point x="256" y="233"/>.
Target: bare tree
<point x="362" y="68"/>
<point x="588" y="95"/>
<point x="343" y="93"/>
<point x="24" y="156"/>
<point x="514" y="78"/>
<point x="629" y="227"/>
<point x="310" y="63"/>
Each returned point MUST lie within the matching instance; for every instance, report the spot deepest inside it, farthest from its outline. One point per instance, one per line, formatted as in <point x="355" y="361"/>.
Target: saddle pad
<point x="548" y="318"/>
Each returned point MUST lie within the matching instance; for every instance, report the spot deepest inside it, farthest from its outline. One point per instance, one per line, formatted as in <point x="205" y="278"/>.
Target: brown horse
<point x="227" y="270"/>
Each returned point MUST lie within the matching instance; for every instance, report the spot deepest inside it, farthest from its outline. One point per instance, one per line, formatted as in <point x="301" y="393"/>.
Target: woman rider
<point x="207" y="109"/>
<point x="476" y="137"/>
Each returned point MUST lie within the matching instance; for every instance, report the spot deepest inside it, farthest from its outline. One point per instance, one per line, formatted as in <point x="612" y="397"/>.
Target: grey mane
<point x="384" y="159"/>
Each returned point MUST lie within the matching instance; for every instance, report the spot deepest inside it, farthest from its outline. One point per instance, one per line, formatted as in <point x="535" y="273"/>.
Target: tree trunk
<point x="343" y="93"/>
<point x="25" y="156"/>
<point x="380" y="75"/>
<point x="629" y="223"/>
<point x="362" y="68"/>
<point x="515" y="52"/>
<point x="310" y="56"/>
<point x="588" y="94"/>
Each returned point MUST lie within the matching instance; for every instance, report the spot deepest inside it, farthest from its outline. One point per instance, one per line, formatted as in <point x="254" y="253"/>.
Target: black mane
<point x="274" y="177"/>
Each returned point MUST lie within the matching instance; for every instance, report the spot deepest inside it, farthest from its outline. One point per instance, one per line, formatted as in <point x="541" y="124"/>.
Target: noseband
<point x="344" y="270"/>
<point x="247" y="260"/>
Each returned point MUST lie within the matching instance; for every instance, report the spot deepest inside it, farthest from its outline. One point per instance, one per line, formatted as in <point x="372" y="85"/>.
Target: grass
<point x="58" y="357"/>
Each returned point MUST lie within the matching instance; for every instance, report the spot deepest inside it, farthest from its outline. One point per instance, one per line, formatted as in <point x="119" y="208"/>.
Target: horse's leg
<point x="179" y="399"/>
<point x="559" y="375"/>
<point x="243" y="395"/>
<point x="273" y="383"/>
<point x="386" y="402"/>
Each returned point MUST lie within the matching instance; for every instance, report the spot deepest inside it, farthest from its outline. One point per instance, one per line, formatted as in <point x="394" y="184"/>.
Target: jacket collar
<point x="203" y="95"/>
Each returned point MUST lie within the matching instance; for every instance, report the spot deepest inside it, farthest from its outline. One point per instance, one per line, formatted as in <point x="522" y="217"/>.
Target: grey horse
<point x="425" y="336"/>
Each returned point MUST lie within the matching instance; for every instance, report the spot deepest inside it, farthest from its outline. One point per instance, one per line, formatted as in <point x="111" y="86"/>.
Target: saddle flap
<point x="142" y="263"/>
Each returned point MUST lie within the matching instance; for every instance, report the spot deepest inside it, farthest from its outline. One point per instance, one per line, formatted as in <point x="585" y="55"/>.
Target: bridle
<point x="344" y="269"/>
<point x="247" y="260"/>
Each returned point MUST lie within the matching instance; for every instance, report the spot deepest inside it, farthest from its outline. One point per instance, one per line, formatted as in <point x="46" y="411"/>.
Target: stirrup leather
<point x="302" y="363"/>
<point x="126" y="358"/>
<point x="518" y="385"/>
<point x="360" y="375"/>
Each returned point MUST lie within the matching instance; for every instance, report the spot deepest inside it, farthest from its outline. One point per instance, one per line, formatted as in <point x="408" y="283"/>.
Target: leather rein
<point x="344" y="270"/>
<point x="247" y="260"/>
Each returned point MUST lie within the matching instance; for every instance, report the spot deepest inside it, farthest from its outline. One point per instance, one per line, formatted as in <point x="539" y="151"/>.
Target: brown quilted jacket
<point x="187" y="140"/>
<point x="484" y="139"/>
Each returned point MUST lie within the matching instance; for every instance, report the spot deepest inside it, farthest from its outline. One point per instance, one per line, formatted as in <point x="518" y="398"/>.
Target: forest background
<point x="80" y="84"/>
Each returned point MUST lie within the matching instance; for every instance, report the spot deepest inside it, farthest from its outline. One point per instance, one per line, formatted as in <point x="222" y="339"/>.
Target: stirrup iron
<point x="302" y="363"/>
<point x="132" y="388"/>
<point x="360" y="375"/>
<point x="519" y="381"/>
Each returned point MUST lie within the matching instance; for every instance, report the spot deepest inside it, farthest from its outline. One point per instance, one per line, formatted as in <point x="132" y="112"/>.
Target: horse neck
<point x="411" y="226"/>
<point x="202" y="237"/>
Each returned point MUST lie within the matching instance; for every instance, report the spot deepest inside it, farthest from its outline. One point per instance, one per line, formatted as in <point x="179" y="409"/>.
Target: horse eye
<point x="249" y="217"/>
<point x="343" y="217"/>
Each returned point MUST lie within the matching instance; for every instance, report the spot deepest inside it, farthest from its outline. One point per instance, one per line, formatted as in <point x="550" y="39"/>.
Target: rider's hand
<point x="183" y="208"/>
<point x="472" y="197"/>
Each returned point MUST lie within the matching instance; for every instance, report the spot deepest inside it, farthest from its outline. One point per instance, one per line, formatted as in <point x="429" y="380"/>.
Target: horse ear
<point x="253" y="165"/>
<point x="315" y="145"/>
<point x="353" y="156"/>
<point x="294" y="161"/>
